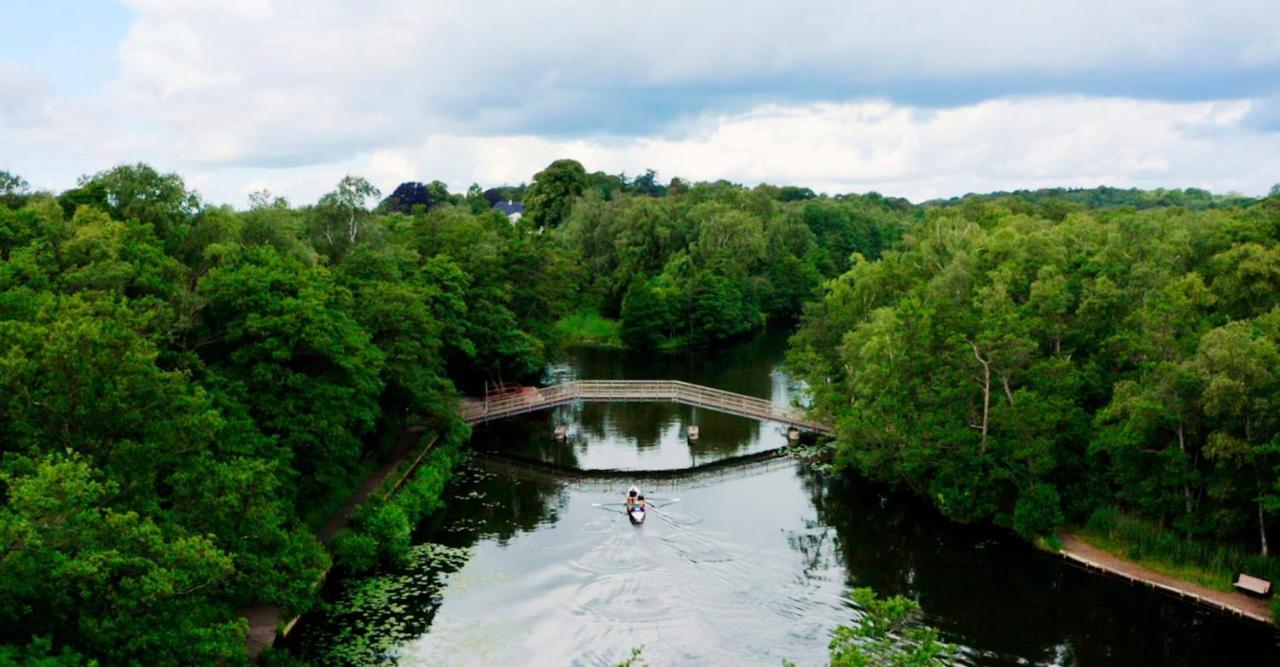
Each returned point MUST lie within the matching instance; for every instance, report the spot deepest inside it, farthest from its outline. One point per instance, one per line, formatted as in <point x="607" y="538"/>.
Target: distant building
<point x="512" y="209"/>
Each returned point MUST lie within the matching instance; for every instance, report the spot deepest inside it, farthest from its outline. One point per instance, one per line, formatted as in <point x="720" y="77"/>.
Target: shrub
<point x="1038" y="511"/>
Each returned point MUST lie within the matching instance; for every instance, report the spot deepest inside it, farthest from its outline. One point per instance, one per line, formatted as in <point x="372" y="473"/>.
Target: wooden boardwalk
<point x="1091" y="557"/>
<point x="531" y="399"/>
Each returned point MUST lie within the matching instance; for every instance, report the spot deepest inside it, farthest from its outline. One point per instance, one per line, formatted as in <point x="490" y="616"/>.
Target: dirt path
<point x="264" y="620"/>
<point x="1076" y="549"/>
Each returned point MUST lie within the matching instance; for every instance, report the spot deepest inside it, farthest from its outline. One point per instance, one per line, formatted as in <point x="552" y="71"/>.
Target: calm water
<point x="749" y="567"/>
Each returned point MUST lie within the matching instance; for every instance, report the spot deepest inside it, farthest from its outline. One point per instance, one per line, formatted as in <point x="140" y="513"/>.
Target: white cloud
<point x="292" y="82"/>
<point x="856" y="147"/>
<point x="905" y="96"/>
<point x="22" y="94"/>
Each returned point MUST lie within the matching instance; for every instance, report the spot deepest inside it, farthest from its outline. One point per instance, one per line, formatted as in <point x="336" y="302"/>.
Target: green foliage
<point x="636" y="659"/>
<point x="1049" y="202"/>
<point x="712" y="261"/>
<point x="1140" y="540"/>
<point x="589" y="328"/>
<point x="1037" y="512"/>
<point x="549" y="198"/>
<point x="40" y="653"/>
<point x="381" y="529"/>
<point x="182" y="387"/>
<point x="1027" y="365"/>
<point x="13" y="189"/>
<point x="887" y="636"/>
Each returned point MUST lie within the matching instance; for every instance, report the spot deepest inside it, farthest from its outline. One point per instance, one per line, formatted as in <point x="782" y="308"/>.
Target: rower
<point x="632" y="494"/>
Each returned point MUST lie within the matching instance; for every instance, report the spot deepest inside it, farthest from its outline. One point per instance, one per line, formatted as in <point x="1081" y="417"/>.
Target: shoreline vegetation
<point x="589" y="329"/>
<point x="1032" y="367"/>
<point x="1140" y="542"/>
<point x="187" y="388"/>
<point x="1092" y="557"/>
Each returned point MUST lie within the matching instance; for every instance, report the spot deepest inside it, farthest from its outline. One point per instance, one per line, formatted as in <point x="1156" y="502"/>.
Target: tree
<point x="282" y="338"/>
<point x="341" y="216"/>
<point x="13" y="189"/>
<point x="551" y="195"/>
<point x="643" y="314"/>
<point x="647" y="185"/>
<point x="113" y="584"/>
<point x="138" y="193"/>
<point x="408" y="195"/>
<point x="475" y="199"/>
<point x="884" y="636"/>
<point x="1238" y="363"/>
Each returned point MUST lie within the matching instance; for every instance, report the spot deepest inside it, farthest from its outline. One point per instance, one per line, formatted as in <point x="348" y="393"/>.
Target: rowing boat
<point x="636" y="515"/>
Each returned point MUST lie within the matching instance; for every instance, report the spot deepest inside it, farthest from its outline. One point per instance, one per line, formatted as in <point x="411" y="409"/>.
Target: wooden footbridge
<point x="531" y="399"/>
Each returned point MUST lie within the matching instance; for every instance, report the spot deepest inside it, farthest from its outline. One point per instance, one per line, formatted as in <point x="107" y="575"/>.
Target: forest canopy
<point x="188" y="390"/>
<point x="1016" y="365"/>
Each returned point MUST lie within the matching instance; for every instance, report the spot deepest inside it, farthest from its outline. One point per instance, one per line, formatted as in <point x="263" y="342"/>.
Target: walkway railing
<point x="540" y="398"/>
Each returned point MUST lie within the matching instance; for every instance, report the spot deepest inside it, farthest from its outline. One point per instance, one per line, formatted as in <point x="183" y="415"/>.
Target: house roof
<point x="509" y="207"/>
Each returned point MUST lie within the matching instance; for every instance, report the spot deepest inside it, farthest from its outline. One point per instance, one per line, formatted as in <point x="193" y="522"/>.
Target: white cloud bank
<point x="906" y="97"/>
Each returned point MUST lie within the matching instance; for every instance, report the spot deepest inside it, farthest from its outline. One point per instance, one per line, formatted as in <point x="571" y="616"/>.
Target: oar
<point x="663" y="515"/>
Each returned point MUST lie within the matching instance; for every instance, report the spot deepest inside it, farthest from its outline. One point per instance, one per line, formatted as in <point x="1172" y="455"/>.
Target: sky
<point x="910" y="98"/>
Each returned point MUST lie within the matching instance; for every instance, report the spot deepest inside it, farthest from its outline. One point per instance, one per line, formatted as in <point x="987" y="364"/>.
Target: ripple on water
<point x="613" y="555"/>
<point x="601" y="525"/>
<point x="621" y="601"/>
<point x="681" y="518"/>
<point x="704" y="547"/>
<point x="734" y="587"/>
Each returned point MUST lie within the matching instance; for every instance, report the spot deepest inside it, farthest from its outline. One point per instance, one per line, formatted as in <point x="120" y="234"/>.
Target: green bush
<point x="381" y="530"/>
<point x="1037" y="512"/>
<point x="388" y="526"/>
<point x="354" y="551"/>
<point x="589" y="328"/>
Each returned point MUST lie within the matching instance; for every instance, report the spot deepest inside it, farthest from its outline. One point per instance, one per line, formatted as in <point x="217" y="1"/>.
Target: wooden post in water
<point x="692" y="432"/>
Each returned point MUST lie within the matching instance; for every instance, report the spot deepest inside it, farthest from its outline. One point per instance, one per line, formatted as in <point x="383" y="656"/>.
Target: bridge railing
<point x="532" y="399"/>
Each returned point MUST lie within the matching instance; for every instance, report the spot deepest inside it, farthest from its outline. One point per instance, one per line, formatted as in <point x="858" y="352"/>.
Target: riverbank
<point x="1081" y="552"/>
<point x="266" y="620"/>
<point x="590" y="329"/>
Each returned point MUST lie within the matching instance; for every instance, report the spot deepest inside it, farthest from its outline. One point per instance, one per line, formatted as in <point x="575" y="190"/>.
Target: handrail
<point x="638" y="390"/>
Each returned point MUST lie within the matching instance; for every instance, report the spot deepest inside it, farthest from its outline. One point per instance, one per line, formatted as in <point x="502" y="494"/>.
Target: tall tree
<point x="551" y="195"/>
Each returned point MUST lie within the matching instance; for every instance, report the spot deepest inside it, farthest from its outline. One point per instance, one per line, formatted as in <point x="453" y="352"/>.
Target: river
<point x="752" y="564"/>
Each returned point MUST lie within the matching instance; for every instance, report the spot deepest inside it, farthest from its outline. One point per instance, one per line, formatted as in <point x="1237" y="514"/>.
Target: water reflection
<point x="1011" y="604"/>
<point x="751" y="566"/>
<point x="651" y="436"/>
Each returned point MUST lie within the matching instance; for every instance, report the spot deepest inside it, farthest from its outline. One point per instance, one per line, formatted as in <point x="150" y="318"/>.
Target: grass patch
<point x="1162" y="550"/>
<point x="589" y="328"/>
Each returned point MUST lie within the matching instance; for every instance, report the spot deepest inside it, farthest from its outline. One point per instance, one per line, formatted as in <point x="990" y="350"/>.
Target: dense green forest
<point x="1034" y="365"/>
<point x="188" y="390"/>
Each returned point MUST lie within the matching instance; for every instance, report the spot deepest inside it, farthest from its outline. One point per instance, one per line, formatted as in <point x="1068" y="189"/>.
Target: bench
<point x="1253" y="585"/>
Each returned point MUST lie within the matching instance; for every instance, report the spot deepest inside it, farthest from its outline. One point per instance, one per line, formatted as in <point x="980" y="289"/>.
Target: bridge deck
<point x="532" y="399"/>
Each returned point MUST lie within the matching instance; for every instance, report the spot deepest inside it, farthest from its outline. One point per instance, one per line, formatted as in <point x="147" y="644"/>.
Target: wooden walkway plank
<point x="1091" y="557"/>
<point x="533" y="399"/>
